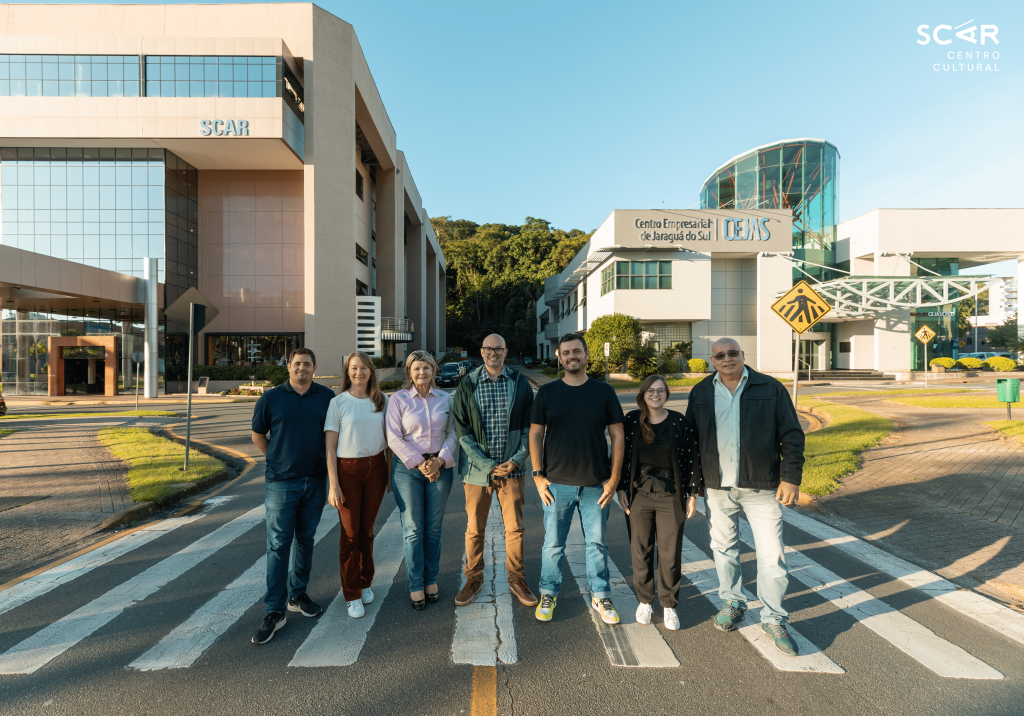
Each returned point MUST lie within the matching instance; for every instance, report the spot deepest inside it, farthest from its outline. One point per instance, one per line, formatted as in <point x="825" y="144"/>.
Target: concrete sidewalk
<point x="945" y="491"/>
<point x="58" y="484"/>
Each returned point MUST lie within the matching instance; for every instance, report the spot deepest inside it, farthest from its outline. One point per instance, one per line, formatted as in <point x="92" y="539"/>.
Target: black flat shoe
<point x="419" y="605"/>
<point x="433" y="598"/>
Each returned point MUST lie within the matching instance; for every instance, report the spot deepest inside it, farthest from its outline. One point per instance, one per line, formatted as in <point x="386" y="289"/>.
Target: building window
<point x="251" y="349"/>
<point x="359" y="185"/>
<point x="844" y="347"/>
<point x="362" y="289"/>
<point x="362" y="255"/>
<point x="103" y="207"/>
<point x="637" y="275"/>
<point x="69" y="76"/>
<point x="185" y="76"/>
<point x="608" y="279"/>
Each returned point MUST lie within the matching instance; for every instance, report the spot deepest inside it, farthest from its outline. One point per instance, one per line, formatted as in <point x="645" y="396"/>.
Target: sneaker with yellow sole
<point x="546" y="608"/>
<point x="605" y="609"/>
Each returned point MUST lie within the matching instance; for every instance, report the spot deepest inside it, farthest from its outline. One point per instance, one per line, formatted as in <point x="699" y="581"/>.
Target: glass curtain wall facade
<point x="24" y="359"/>
<point x="104" y="207"/>
<point x="69" y="76"/>
<point x="800" y="175"/>
<point x="944" y="320"/>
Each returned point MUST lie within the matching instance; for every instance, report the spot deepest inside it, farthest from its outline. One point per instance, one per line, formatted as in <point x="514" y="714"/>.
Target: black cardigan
<point x="686" y="467"/>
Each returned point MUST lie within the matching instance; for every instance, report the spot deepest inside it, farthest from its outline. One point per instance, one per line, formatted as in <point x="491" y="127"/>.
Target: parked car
<point x="528" y="362"/>
<point x="449" y="375"/>
<point x="465" y="366"/>
<point x="3" y="407"/>
<point x="986" y="355"/>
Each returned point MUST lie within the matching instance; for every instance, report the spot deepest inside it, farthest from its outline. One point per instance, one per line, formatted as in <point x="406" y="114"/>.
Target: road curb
<point x="148" y="508"/>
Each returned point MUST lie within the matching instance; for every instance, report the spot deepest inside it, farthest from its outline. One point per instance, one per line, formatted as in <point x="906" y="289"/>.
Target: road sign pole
<point x="188" y="410"/>
<point x="136" y="387"/>
<point x="796" y="365"/>
<point x="926" y="366"/>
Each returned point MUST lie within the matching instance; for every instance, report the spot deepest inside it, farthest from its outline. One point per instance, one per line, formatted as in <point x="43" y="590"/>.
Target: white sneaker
<point x="355" y="609"/>
<point x="671" y="619"/>
<point x="644" y="612"/>
<point x="367" y="596"/>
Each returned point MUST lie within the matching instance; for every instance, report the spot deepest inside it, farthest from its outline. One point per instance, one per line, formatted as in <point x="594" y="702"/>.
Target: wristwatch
<point x="538" y="473"/>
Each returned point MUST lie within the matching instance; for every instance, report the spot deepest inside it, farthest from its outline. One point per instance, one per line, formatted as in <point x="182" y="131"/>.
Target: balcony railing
<point x="551" y="331"/>
<point x="398" y="330"/>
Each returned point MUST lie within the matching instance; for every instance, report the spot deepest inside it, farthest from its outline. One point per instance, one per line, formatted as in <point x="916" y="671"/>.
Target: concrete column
<point x="431" y="274"/>
<point x="442" y="311"/>
<point x="416" y="284"/>
<point x="127" y="347"/>
<point x="151" y="364"/>
<point x="329" y="196"/>
<point x="391" y="272"/>
<point x="892" y="330"/>
<point x="774" y="336"/>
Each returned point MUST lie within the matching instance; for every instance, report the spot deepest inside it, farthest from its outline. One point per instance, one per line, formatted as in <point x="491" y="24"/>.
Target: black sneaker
<point x="271" y="623"/>
<point x="304" y="606"/>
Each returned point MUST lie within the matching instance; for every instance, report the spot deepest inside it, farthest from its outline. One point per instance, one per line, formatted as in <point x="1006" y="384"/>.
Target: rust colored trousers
<point x="364" y="481"/>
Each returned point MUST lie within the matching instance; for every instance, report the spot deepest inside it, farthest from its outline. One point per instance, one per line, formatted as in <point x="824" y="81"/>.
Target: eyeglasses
<point x="731" y="354"/>
<point x="656" y="391"/>
<point x="492" y="351"/>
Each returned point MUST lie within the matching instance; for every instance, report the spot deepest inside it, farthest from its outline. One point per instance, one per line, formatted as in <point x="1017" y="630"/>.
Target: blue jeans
<point x="293" y="514"/>
<point x="421" y="505"/>
<point x="557" y="520"/>
<point x="764" y="515"/>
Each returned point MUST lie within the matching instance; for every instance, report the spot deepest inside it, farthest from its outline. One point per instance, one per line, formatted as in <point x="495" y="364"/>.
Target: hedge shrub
<point x="274" y="374"/>
<point x="969" y="363"/>
<point x="1001" y="364"/>
<point x="670" y="366"/>
<point x="697" y="365"/>
<point x="946" y="363"/>
<point x="384" y="362"/>
<point x="391" y="384"/>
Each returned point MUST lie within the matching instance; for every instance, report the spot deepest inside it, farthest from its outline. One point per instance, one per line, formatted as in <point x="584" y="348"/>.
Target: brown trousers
<point x="364" y="481"/>
<point x="511" y="496"/>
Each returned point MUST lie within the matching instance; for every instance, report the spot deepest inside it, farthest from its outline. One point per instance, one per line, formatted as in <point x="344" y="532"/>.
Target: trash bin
<point x="1008" y="390"/>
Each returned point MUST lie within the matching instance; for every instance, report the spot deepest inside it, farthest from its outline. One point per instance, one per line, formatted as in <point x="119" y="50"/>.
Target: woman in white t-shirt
<point x="357" y="473"/>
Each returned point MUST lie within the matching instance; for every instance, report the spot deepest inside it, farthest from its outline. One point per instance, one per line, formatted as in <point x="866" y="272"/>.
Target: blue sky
<point x="568" y="110"/>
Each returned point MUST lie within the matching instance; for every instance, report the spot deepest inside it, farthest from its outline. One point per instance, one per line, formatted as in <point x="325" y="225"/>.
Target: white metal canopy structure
<point x="860" y="297"/>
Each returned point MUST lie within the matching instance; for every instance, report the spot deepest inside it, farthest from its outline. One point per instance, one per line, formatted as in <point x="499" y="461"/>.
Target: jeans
<point x="765" y="517"/>
<point x="294" y="508"/>
<point x="421" y="505"/>
<point x="557" y="520"/>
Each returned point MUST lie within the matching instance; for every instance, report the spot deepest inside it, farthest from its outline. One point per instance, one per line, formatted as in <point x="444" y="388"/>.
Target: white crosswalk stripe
<point x="699" y="570"/>
<point x="990" y="613"/>
<point x="337" y="639"/>
<point x="628" y="643"/>
<point x="49" y="643"/>
<point x="912" y="638"/>
<point x="47" y="581"/>
<point x="484" y="631"/>
<point x="189" y="640"/>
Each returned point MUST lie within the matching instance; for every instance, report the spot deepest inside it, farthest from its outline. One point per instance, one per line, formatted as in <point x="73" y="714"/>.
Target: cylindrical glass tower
<point x="797" y="174"/>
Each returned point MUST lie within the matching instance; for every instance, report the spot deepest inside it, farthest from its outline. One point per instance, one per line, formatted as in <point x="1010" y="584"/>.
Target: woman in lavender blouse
<point x="421" y="432"/>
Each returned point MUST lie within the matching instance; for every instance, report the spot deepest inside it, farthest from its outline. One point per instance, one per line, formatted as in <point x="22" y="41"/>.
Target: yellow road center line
<point x="485" y="691"/>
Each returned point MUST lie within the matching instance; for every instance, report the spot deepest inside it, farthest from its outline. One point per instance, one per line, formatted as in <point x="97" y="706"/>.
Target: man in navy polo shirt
<point x="288" y="427"/>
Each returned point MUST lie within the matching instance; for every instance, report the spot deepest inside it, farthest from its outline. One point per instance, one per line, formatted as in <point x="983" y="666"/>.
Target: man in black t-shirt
<point x="572" y="471"/>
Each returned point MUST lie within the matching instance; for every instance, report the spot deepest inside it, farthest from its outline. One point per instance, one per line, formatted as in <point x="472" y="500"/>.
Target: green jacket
<point x="474" y="463"/>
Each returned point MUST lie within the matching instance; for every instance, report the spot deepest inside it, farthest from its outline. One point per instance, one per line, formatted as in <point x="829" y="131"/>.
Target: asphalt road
<point x="181" y="606"/>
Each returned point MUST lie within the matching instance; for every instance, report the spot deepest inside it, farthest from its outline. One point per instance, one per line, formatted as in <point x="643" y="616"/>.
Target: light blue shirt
<point x="727" y="427"/>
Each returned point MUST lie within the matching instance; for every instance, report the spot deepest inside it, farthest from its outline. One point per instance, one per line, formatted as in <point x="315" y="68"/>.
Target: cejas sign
<point x="224" y="127"/>
<point x="729" y="230"/>
<point x="732" y="229"/>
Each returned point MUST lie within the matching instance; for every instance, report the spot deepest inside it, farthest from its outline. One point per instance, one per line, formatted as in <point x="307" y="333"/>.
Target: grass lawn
<point x="1010" y="428"/>
<point x="833" y="452"/>
<point x="128" y="413"/>
<point x="155" y="462"/>
<point x="4" y="433"/>
<point x="961" y="401"/>
<point x="905" y="391"/>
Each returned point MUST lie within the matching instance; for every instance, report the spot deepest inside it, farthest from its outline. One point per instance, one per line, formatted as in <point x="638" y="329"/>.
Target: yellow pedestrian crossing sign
<point x="801" y="307"/>
<point x="925" y="335"/>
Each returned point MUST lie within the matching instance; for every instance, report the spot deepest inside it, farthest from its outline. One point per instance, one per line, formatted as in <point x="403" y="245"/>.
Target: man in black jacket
<point x="752" y="455"/>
